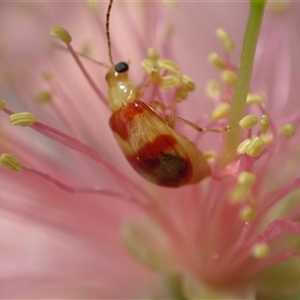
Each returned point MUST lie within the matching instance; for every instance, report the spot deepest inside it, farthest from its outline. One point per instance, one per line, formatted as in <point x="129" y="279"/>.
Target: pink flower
<point x="78" y="221"/>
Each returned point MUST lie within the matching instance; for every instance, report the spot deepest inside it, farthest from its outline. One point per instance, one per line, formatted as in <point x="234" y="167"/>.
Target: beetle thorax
<point x="121" y="89"/>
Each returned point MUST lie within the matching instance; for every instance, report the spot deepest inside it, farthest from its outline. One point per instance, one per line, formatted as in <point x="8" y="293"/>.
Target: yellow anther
<point x="221" y="111"/>
<point x="168" y="82"/>
<point x="61" y="34"/>
<point x="171" y="3"/>
<point x="279" y="7"/>
<point x="247" y="213"/>
<point x="217" y="61"/>
<point x="239" y="194"/>
<point x="187" y="83"/>
<point x="267" y="138"/>
<point x="242" y="148"/>
<point x="10" y="162"/>
<point x="2" y="104"/>
<point x="229" y="77"/>
<point x="225" y="38"/>
<point x="168" y="65"/>
<point x="246" y="178"/>
<point x="264" y="123"/>
<point x="213" y="89"/>
<point x="180" y="95"/>
<point x="255" y="146"/>
<point x="253" y="98"/>
<point x="92" y="5"/>
<point x="248" y="122"/>
<point x="261" y="250"/>
<point x="149" y="67"/>
<point x="153" y="54"/>
<point x="210" y="156"/>
<point x="287" y="131"/>
<point x="22" y="119"/>
<point x="44" y="96"/>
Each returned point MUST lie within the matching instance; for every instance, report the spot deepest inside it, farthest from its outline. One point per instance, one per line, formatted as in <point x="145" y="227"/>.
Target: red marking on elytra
<point x="160" y="163"/>
<point x="120" y="121"/>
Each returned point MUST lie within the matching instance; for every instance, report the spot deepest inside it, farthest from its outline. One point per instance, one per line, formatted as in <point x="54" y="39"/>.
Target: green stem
<point x="243" y="80"/>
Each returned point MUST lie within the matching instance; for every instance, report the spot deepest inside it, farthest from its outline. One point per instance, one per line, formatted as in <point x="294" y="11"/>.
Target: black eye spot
<point x="121" y="67"/>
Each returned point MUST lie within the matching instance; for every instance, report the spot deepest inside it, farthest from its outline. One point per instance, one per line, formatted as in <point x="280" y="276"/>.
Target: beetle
<point x="151" y="146"/>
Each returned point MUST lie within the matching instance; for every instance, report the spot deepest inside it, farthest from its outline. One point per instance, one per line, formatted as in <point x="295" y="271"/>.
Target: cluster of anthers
<point x="253" y="144"/>
<point x="167" y="75"/>
<point x="259" y="132"/>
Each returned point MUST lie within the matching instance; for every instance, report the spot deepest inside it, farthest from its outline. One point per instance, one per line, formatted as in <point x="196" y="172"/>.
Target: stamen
<point x="2" y="104"/>
<point x="153" y="54"/>
<point x="188" y="83"/>
<point x="75" y="190"/>
<point x="246" y="178"/>
<point x="264" y="123"/>
<point x="22" y="119"/>
<point x="253" y="98"/>
<point x="210" y="156"/>
<point x="64" y="35"/>
<point x="261" y="250"/>
<point x="43" y="97"/>
<point x="255" y="146"/>
<point x="239" y="194"/>
<point x="92" y="5"/>
<point x="279" y="7"/>
<point x="287" y="131"/>
<point x="159" y="72"/>
<point x="247" y="213"/>
<point x="248" y="122"/>
<point x="61" y="34"/>
<point x="225" y="38"/>
<point x="267" y="138"/>
<point x="150" y="68"/>
<point x="180" y="94"/>
<point x="221" y="111"/>
<point x="168" y="65"/>
<point x="213" y="89"/>
<point x="73" y="143"/>
<point x="242" y="148"/>
<point x="171" y="3"/>
<point x="168" y="82"/>
<point x="10" y="162"/>
<point x="229" y="77"/>
<point x="217" y="61"/>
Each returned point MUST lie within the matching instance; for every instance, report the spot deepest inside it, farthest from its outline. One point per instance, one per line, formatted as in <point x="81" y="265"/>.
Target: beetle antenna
<point x="108" y="33"/>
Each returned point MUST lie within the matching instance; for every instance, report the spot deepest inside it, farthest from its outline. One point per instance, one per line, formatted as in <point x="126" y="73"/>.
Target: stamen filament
<point x="71" y="189"/>
<point x="86" y="74"/>
<point x="76" y="145"/>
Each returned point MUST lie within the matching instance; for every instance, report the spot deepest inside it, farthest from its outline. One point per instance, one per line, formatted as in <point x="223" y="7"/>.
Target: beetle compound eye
<point x="121" y="67"/>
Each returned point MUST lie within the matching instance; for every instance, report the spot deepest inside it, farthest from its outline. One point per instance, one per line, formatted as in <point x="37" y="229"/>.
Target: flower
<point x="80" y="222"/>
